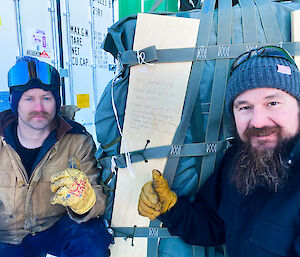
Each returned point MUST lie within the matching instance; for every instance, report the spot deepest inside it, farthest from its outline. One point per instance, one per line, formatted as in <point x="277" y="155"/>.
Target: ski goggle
<point x="24" y="72"/>
<point x="265" y="51"/>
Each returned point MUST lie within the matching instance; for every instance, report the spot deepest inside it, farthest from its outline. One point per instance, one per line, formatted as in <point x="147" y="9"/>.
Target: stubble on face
<point x="37" y="121"/>
<point x="36" y="110"/>
<point x="45" y="124"/>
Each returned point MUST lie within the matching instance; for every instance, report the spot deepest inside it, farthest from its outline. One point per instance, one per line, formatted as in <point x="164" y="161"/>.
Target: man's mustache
<point x="261" y="132"/>
<point x="45" y="114"/>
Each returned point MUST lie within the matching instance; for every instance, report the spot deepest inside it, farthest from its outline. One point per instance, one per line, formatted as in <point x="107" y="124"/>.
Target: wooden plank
<point x="295" y="31"/>
<point x="153" y="111"/>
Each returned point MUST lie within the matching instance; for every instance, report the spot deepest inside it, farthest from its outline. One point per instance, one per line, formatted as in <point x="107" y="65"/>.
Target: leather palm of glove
<point x="73" y="189"/>
<point x="156" y="197"/>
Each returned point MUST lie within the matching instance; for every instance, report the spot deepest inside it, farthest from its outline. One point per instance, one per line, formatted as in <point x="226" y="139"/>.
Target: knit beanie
<point x="17" y="92"/>
<point x="262" y="72"/>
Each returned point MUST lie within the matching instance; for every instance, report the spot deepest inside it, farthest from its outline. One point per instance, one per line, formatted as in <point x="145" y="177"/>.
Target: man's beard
<point x="266" y="168"/>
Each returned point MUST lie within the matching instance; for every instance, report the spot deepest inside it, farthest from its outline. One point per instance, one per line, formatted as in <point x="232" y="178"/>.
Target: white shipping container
<point x="35" y="27"/>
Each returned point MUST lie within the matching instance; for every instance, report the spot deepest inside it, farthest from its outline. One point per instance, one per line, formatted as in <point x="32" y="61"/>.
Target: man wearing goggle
<point x="251" y="202"/>
<point x="50" y="200"/>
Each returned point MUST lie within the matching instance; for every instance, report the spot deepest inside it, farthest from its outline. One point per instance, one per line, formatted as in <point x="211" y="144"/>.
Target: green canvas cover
<point x="224" y="34"/>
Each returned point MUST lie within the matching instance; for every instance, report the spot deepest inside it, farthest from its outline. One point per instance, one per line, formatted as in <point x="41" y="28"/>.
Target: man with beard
<point x="252" y="202"/>
<point x="41" y="152"/>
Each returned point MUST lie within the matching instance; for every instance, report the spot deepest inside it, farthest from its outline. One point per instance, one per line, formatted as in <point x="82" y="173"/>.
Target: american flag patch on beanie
<point x="284" y="69"/>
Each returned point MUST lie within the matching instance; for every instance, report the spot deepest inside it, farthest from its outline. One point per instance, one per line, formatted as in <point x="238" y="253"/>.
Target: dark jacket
<point x="25" y="205"/>
<point x="261" y="224"/>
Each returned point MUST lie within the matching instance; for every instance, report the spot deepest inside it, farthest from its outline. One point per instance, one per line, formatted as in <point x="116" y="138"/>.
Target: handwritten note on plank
<point x="154" y="106"/>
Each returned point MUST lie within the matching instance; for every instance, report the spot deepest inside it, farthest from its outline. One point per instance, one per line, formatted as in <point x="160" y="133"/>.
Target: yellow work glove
<point x="156" y="197"/>
<point x="149" y="204"/>
<point x="73" y="189"/>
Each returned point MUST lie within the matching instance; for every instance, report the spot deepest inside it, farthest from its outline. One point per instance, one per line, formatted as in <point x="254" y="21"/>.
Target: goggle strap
<point x="260" y="51"/>
<point x="32" y="70"/>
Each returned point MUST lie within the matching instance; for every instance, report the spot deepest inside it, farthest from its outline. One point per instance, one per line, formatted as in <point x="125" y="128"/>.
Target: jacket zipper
<point x="50" y="154"/>
<point x="16" y="161"/>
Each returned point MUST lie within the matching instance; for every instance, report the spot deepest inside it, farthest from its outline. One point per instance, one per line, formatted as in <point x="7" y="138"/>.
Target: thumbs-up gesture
<point x="156" y="197"/>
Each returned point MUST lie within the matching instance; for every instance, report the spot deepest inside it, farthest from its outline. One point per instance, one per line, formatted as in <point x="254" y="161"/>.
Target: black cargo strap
<point x="206" y="19"/>
<point x="186" y="150"/>
<point x="150" y="232"/>
<point x="217" y="98"/>
<point x="202" y="53"/>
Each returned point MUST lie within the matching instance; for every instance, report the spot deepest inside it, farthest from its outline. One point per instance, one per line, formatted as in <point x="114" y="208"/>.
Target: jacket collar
<point x="294" y="155"/>
<point x="6" y="118"/>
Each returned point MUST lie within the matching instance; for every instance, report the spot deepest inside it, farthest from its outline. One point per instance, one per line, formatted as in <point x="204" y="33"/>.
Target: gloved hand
<point x="73" y="189"/>
<point x="156" y="197"/>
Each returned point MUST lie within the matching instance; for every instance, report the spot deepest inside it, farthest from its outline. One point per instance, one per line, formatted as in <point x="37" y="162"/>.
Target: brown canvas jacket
<point x="25" y="202"/>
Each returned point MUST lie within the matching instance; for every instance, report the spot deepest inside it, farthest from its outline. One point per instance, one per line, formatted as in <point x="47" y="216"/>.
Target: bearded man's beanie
<point x="262" y="72"/>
